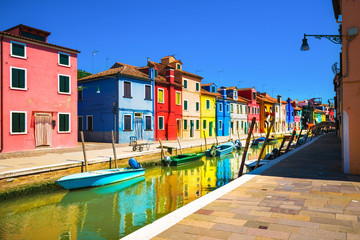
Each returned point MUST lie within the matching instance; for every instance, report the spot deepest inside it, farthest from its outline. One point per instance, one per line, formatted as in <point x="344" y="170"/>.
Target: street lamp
<point x="80" y="88"/>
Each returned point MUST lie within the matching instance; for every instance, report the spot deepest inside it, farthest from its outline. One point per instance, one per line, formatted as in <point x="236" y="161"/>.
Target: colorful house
<point x="38" y="91"/>
<point x="297" y="115"/>
<point x="223" y="119"/>
<point x="289" y="115"/>
<point x="253" y="106"/>
<point x="208" y="112"/>
<point x="238" y="108"/>
<point x="118" y="99"/>
<point x="267" y="113"/>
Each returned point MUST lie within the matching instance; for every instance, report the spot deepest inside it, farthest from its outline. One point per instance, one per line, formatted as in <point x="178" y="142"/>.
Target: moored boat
<point x="182" y="159"/>
<point x="220" y="150"/>
<point x="258" y="141"/>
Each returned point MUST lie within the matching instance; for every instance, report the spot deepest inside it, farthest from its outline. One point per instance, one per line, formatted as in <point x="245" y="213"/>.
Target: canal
<point x="113" y="211"/>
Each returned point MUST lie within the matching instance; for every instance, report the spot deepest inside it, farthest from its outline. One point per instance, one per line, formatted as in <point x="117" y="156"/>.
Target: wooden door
<point x="43" y="130"/>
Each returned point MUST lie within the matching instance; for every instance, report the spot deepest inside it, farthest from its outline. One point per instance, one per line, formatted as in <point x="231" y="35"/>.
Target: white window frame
<point x="197" y="84"/>
<point x="176" y="98"/>
<point x="158" y="125"/>
<point x="15" y="88"/>
<point x="187" y="105"/>
<point x="69" y="93"/>
<point x="17" y="133"/>
<point x="220" y="124"/>
<point x="151" y="123"/>
<point x="206" y="102"/>
<point x="124" y="89"/>
<point x="150" y="92"/>
<point x="131" y="122"/>
<point x="25" y="49"/>
<point x="87" y="122"/>
<point x="59" y="59"/>
<point x="199" y="106"/>
<point x="162" y="90"/>
<point x="187" y="84"/>
<point x="82" y="123"/>
<point x="58" y="117"/>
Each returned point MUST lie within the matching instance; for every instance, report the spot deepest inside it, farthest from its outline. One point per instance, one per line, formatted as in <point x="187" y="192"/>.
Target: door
<point x="43" y="130"/>
<point x="210" y="129"/>
<point x="138" y="125"/>
<point x="192" y="128"/>
<point x="178" y="123"/>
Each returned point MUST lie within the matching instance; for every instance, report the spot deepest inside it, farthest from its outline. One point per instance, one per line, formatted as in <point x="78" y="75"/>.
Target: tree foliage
<point x="82" y="74"/>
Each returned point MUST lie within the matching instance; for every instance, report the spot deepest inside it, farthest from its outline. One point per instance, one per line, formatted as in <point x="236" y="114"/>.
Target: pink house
<point x="253" y="106"/>
<point x="38" y="91"/>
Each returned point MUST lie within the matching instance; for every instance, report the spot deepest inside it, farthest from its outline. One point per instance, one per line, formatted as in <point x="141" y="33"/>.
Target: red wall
<point x="41" y="95"/>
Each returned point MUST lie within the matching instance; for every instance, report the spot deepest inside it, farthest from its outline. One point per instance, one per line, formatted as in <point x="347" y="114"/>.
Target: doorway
<point x="43" y="129"/>
<point x="210" y="129"/>
<point x="138" y="126"/>
<point x="192" y="128"/>
<point x="178" y="124"/>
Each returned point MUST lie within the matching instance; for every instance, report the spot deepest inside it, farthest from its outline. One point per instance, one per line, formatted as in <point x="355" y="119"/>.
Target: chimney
<point x="279" y="98"/>
<point x="170" y="75"/>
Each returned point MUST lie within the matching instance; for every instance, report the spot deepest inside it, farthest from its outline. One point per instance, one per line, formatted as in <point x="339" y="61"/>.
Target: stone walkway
<point x="305" y="196"/>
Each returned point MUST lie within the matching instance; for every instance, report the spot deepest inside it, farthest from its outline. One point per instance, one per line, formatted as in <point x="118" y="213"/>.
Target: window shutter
<point x="127" y="122"/>
<point x="148" y="92"/>
<point x="18" y="50"/>
<point x="64" y="59"/>
<point x="127" y="89"/>
<point x="64" y="84"/>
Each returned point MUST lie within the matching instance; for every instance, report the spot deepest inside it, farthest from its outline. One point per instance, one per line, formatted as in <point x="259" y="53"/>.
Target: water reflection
<point x="113" y="211"/>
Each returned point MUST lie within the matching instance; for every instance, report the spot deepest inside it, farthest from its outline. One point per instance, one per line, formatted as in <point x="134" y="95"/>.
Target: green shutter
<point x="18" y="50"/>
<point x="18" y="78"/>
<point x="185" y="84"/>
<point x="161" y="123"/>
<point x="185" y="105"/>
<point x="64" y="84"/>
<point x="204" y="124"/>
<point x="207" y="104"/>
<point x="197" y="106"/>
<point x="18" y="122"/>
<point x="197" y="86"/>
<point x="185" y="125"/>
<point x="197" y="124"/>
<point x="64" y="123"/>
<point x="64" y="59"/>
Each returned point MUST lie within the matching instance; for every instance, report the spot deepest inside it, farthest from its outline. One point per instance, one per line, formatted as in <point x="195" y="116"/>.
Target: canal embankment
<point x="300" y="195"/>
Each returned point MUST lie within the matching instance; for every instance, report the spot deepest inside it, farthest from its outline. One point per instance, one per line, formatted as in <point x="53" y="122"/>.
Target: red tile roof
<point x="208" y="93"/>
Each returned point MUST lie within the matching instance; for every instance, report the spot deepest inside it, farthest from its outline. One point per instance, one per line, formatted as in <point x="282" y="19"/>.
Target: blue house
<point x="289" y="115"/>
<point x="118" y="99"/>
<point x="223" y="120"/>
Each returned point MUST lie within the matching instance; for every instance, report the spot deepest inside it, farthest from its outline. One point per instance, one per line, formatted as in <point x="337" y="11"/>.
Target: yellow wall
<point x="207" y="114"/>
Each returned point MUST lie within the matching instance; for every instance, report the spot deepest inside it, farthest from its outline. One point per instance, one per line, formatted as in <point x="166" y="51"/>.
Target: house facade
<point x="238" y="108"/>
<point x="119" y="99"/>
<point x="208" y="109"/>
<point x="267" y="113"/>
<point x="252" y="105"/>
<point x="223" y="117"/>
<point x="38" y="91"/>
<point x="289" y="115"/>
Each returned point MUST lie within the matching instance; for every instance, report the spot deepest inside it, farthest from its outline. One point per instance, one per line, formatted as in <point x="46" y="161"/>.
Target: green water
<point x="113" y="211"/>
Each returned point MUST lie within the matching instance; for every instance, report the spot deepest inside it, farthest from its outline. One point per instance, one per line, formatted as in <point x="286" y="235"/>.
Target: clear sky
<point x="242" y="43"/>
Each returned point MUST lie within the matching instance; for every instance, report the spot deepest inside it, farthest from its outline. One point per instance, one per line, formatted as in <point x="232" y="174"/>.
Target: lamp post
<point x="80" y="88"/>
<point x="337" y="39"/>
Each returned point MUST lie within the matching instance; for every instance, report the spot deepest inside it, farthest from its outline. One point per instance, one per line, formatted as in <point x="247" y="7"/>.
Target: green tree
<point x="82" y="74"/>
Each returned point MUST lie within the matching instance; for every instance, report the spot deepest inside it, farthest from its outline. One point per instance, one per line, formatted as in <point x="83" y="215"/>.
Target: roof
<point x="265" y="98"/>
<point x="297" y="108"/>
<point x="37" y="41"/>
<point x="123" y="70"/>
<point x="243" y="100"/>
<point x="208" y="93"/>
<point x="231" y="88"/>
<point x="175" y="70"/>
<point x="245" y="89"/>
<point x="29" y="28"/>
<point x="207" y="84"/>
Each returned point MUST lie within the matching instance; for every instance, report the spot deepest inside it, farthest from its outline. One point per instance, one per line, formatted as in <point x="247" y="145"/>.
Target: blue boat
<point x="220" y="150"/>
<point x="101" y="177"/>
<point x="258" y="141"/>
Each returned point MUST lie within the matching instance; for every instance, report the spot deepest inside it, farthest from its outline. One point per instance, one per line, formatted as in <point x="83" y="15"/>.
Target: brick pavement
<point x="305" y="196"/>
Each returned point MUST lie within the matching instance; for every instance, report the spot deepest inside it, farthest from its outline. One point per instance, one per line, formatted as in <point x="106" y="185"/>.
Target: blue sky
<point x="243" y="43"/>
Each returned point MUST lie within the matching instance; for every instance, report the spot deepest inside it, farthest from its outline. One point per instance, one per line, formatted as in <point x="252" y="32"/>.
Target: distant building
<point x="39" y="91"/>
<point x="208" y="109"/>
<point x="253" y="106"/>
<point x="238" y="108"/>
<point x="290" y="115"/>
<point x="223" y="118"/>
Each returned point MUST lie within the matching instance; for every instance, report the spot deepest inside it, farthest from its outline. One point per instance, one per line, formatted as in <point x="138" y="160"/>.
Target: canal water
<point x="113" y="211"/>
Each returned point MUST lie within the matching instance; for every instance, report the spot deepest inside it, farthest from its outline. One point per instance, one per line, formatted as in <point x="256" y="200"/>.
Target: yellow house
<point x="207" y="110"/>
<point x="266" y="111"/>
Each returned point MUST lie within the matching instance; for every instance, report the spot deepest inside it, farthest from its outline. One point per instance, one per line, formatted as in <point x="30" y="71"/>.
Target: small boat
<point x="101" y="177"/>
<point x="258" y="141"/>
<point x="220" y="150"/>
<point x="272" y="141"/>
<point x="252" y="163"/>
<point x="182" y="159"/>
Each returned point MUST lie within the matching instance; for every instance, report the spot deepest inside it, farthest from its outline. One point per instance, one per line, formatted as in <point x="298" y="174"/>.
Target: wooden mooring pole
<point x="291" y="140"/>
<point x="179" y="144"/>
<point x="246" y="147"/>
<point x="264" y="145"/>
<point x="113" y="147"/>
<point x="162" y="150"/>
<point x="84" y="151"/>
<point x="205" y="140"/>
<point x="217" y="143"/>
<point x="297" y="142"/>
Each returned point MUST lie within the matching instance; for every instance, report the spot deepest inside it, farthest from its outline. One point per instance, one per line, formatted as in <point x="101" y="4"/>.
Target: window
<point x="18" y="78"/>
<point x="235" y="94"/>
<point x="64" y="59"/>
<point x="18" y="123"/>
<point x="89" y="123"/>
<point x="197" y="86"/>
<point x="127" y="89"/>
<point x="18" y="49"/>
<point x="156" y="73"/>
<point x="185" y="84"/>
<point x="237" y="124"/>
<point x="64" y="84"/>
<point x="80" y="95"/>
<point x="197" y="106"/>
<point x="254" y="95"/>
<point x="220" y="124"/>
<point x="127" y="123"/>
<point x="185" y="105"/>
<point x="241" y="109"/>
<point x="227" y="107"/>
<point x="178" y="98"/>
<point x="147" y="92"/>
<point x="185" y="124"/>
<point x="213" y="89"/>
<point x="237" y="109"/>
<point x="161" y="123"/>
<point x="148" y="123"/>
<point x="204" y="124"/>
<point x="197" y="124"/>
<point x="178" y="66"/>
<point x="160" y="95"/>
<point x="220" y="107"/>
<point x="242" y="124"/>
<point x="64" y="122"/>
<point x="231" y="108"/>
<point x="207" y="104"/>
<point x="249" y="110"/>
<point x="80" y="123"/>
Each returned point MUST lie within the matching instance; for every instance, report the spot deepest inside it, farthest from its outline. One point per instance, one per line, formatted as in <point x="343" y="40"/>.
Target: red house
<point x="38" y="91"/>
<point x="253" y="106"/>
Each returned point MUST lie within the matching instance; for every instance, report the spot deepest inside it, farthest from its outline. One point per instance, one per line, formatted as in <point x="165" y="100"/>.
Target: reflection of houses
<point x="223" y="171"/>
<point x="208" y="179"/>
<point x="208" y="109"/>
<point x="191" y="184"/>
<point x="124" y="104"/>
<point x="39" y="91"/>
<point x="253" y="106"/>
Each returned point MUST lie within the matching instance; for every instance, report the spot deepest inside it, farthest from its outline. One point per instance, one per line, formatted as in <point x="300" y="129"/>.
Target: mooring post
<point x="179" y="144"/>
<point x="246" y="147"/>
<point x="217" y="143"/>
<point x="307" y="135"/>
<point x="291" y="139"/>
<point x="282" y="144"/>
<point x="113" y="146"/>
<point x="205" y="140"/>
<point x="297" y="142"/>
<point x="84" y="151"/>
<point x="264" y="145"/>
<point x="162" y="150"/>
<point x="238" y="134"/>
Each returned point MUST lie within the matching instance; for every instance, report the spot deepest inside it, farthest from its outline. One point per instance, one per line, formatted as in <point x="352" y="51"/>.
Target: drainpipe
<point x="2" y="93"/>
